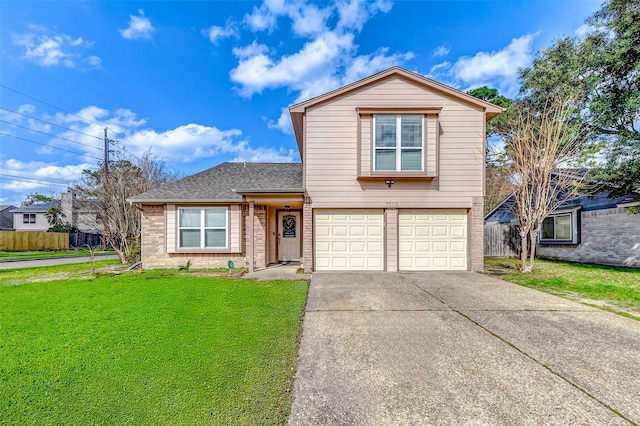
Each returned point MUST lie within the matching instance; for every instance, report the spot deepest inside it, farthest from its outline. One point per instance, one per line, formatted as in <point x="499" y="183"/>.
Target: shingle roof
<point x="36" y="208"/>
<point x="220" y="182"/>
<point x="599" y="201"/>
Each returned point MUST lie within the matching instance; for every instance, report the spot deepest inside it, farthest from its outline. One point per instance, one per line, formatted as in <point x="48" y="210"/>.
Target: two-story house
<point x="391" y="179"/>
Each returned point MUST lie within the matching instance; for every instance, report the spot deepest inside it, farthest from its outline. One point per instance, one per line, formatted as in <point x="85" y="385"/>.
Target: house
<point x="391" y="179"/>
<point x="81" y="214"/>
<point x="32" y="218"/>
<point x="6" y="217"/>
<point x="587" y="229"/>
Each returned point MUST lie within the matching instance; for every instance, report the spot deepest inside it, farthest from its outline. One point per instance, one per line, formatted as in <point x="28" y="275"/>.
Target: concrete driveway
<point x="463" y="349"/>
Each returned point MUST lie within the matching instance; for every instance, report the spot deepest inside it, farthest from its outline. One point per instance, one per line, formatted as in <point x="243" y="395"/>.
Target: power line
<point x="52" y="124"/>
<point x="12" y="178"/>
<point x="49" y="134"/>
<point x="49" y="146"/>
<point x="86" y="120"/>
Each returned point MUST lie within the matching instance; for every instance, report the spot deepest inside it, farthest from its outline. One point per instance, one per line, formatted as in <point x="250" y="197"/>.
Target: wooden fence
<point x="24" y="241"/>
<point x="83" y="239"/>
<point x="501" y="240"/>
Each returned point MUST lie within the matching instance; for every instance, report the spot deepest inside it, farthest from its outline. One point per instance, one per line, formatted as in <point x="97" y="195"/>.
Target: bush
<point x="67" y="227"/>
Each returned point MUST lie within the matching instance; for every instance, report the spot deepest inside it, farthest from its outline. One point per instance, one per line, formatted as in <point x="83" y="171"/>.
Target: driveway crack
<point x="546" y="367"/>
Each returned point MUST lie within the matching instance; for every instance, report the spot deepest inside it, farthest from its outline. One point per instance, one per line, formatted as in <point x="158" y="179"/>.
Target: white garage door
<point x="348" y="240"/>
<point x="432" y="240"/>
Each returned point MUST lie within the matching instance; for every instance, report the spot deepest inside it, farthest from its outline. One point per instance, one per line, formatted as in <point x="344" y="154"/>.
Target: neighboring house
<point x="6" y="217"/>
<point x="32" y="218"/>
<point x="392" y="178"/>
<point x="595" y="229"/>
<point x="80" y="213"/>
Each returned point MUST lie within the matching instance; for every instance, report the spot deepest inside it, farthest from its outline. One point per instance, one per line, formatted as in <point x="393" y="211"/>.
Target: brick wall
<point x="259" y="234"/>
<point x="608" y="237"/>
<point x="154" y="246"/>
<point x="476" y="234"/>
<point x="307" y="235"/>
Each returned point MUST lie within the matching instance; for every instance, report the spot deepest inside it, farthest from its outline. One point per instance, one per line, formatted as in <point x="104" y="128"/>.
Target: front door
<point x="288" y="236"/>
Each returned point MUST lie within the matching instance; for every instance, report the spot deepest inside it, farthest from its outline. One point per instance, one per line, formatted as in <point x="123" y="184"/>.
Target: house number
<point x="391" y="204"/>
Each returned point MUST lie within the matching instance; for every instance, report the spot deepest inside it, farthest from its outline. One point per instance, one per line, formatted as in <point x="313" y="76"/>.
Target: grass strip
<point x="613" y="288"/>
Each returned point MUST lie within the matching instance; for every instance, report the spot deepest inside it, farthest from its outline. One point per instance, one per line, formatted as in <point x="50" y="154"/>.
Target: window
<point x="559" y="229"/>
<point x="398" y="143"/>
<point x="29" y="218"/>
<point x="202" y="228"/>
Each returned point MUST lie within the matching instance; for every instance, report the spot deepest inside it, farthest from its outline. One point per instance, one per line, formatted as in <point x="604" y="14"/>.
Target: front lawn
<point x="613" y="288"/>
<point x="158" y="347"/>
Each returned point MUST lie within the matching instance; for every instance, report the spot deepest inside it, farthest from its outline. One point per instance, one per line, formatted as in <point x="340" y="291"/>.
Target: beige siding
<point x="332" y="153"/>
<point x="392" y="239"/>
<point x="234" y="228"/>
<point x="171" y="228"/>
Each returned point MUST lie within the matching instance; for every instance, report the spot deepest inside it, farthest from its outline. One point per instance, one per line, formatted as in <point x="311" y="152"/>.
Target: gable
<point x="298" y="111"/>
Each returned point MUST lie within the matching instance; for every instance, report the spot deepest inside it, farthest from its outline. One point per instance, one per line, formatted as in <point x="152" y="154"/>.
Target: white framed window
<point x="203" y="228"/>
<point x="29" y="218"/>
<point x="561" y="228"/>
<point x="398" y="142"/>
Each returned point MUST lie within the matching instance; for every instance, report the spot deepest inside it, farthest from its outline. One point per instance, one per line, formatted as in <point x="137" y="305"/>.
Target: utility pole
<point x="106" y="150"/>
<point x="106" y="156"/>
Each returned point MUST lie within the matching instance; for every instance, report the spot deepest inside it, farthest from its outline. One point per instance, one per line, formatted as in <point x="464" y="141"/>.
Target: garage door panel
<point x="458" y="247"/>
<point x="337" y="246"/>
<point x="353" y="240"/>
<point x="432" y="240"/>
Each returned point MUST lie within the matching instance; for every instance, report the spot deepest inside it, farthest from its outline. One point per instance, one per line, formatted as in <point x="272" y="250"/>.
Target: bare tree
<point x="542" y="145"/>
<point x="107" y="193"/>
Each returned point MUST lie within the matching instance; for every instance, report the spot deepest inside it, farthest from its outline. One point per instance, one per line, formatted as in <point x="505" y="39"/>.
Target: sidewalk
<point x="31" y="263"/>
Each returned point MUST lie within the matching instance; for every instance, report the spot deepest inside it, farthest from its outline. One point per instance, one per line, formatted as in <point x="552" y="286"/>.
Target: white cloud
<point x="441" y="51"/>
<point x="268" y="155"/>
<point x="355" y="13"/>
<point x="94" y="60"/>
<point x="284" y="122"/>
<point x="498" y="64"/>
<point x="216" y="33"/>
<point x="139" y="27"/>
<point x="49" y="50"/>
<point x="496" y="69"/>
<point x="27" y="171"/>
<point x="327" y="60"/>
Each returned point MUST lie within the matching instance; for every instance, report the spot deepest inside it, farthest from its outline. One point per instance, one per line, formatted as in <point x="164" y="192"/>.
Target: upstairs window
<point x="29" y="218"/>
<point x="398" y="143"/>
<point x="204" y="228"/>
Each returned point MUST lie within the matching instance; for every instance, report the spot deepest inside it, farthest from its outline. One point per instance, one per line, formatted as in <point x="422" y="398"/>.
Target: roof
<point x="36" y="208"/>
<point x="4" y="207"/>
<point x="600" y="201"/>
<point x="225" y="183"/>
<point x="297" y="111"/>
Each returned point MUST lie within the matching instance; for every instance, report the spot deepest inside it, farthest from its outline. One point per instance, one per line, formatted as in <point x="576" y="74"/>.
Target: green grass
<point x="612" y="288"/>
<point x="26" y="255"/>
<point x="157" y="347"/>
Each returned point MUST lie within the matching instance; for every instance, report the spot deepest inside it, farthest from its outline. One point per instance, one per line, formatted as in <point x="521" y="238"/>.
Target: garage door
<point x="348" y="240"/>
<point x="432" y="240"/>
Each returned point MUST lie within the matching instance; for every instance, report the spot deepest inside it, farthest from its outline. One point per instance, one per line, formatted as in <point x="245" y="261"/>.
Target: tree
<point x="601" y="71"/>
<point x="36" y="198"/>
<point x="497" y="180"/>
<point x="106" y="192"/>
<point x="54" y="215"/>
<point x="542" y="143"/>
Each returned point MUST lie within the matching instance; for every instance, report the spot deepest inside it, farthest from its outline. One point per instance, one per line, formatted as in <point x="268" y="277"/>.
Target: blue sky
<point x="202" y="82"/>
